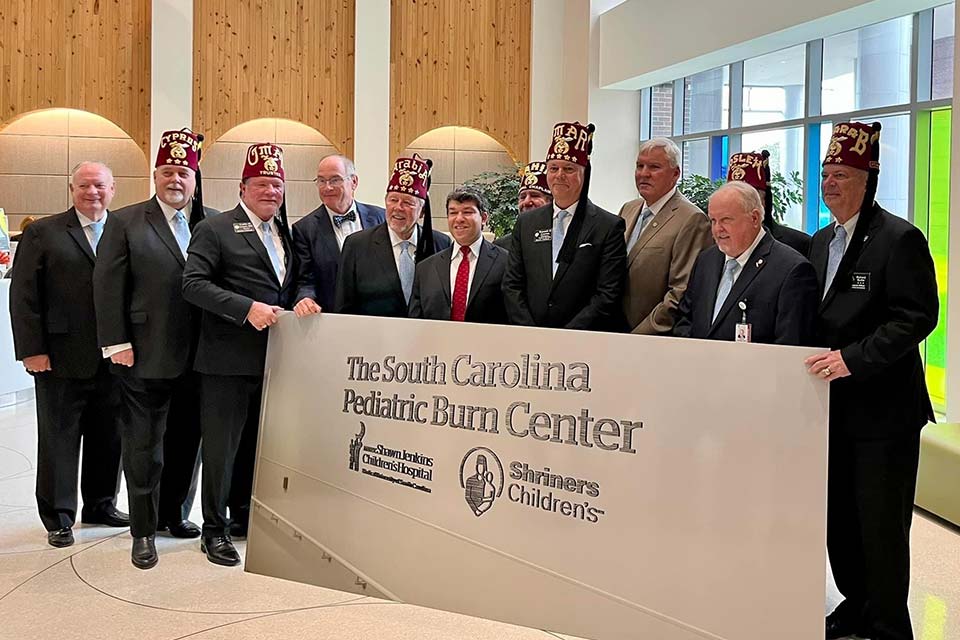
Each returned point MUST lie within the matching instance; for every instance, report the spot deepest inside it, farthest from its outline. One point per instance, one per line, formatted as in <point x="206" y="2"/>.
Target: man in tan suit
<point x="665" y="234"/>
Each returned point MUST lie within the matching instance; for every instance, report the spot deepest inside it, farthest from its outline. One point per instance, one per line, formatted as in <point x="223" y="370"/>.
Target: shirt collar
<point x="395" y="239"/>
<point x="86" y="222"/>
<point x="353" y="207"/>
<point x="254" y="219"/>
<point x="572" y="209"/>
<point x="849" y="225"/>
<point x="658" y="205"/>
<point x="171" y="213"/>
<point x="474" y="248"/>
<point x="744" y="257"/>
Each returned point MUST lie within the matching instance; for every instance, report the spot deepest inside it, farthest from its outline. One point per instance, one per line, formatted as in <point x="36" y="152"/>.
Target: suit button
<point x="549" y="304"/>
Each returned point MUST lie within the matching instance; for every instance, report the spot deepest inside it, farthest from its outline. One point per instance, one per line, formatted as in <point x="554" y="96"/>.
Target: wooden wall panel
<point x="84" y="54"/>
<point x="275" y="59"/>
<point x="460" y="62"/>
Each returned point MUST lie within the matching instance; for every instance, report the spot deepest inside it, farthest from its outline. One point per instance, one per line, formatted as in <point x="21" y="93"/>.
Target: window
<point x="696" y="157"/>
<point x="868" y="67"/>
<point x="661" y="110"/>
<point x="786" y="156"/>
<point x="773" y="86"/>
<point x="706" y="100"/>
<point x="942" y="72"/>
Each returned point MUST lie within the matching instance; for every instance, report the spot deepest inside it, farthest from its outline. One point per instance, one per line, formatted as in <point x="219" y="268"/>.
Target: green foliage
<point x="501" y="189"/>
<point x="787" y="190"/>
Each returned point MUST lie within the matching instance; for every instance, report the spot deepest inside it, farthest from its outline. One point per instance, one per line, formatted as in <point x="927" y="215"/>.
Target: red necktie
<point x="459" y="309"/>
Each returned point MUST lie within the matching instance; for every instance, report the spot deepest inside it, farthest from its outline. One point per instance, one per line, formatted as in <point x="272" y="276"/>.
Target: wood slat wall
<point x="460" y="62"/>
<point x="84" y="54"/>
<point x="274" y="59"/>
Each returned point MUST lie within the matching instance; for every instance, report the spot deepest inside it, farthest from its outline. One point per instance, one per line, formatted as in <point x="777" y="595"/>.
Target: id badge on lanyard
<point x="744" y="331"/>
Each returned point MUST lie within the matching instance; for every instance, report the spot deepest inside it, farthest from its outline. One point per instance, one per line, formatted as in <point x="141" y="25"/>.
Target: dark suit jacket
<point x="586" y="293"/>
<point x="504" y="242"/>
<point x="368" y="283"/>
<point x="51" y="297"/>
<point x="226" y="272"/>
<point x="432" y="299"/>
<point x="319" y="254"/>
<point x="137" y="289"/>
<point x="882" y="304"/>
<point x="797" y="240"/>
<point x="778" y="285"/>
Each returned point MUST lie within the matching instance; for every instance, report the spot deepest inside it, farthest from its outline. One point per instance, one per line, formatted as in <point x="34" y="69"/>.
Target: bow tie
<point x="349" y="217"/>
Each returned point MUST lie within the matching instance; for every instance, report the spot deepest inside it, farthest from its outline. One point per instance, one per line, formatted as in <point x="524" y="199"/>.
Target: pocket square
<point x="585" y="244"/>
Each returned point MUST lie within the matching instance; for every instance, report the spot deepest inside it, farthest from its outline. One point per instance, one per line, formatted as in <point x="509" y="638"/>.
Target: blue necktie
<point x="638" y="228"/>
<point x="271" y="249"/>
<point x="837" y="247"/>
<point x="557" y="238"/>
<point x="96" y="230"/>
<point x="407" y="269"/>
<point x="726" y="283"/>
<point x="181" y="231"/>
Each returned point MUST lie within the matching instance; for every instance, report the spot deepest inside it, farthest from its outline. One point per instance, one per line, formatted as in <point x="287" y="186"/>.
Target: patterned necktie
<point x="96" y="230"/>
<point x="638" y="228"/>
<point x="181" y="231"/>
<point x="458" y="311"/>
<point x="407" y="269"/>
<point x="837" y="247"/>
<point x="726" y="283"/>
<point x="557" y="238"/>
<point x="350" y="216"/>
<point x="271" y="249"/>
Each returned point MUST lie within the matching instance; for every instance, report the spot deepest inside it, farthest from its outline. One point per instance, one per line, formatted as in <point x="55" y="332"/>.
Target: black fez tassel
<point x="197" y="213"/>
<point x="768" y="192"/>
<point x="426" y="247"/>
<point x="873" y="174"/>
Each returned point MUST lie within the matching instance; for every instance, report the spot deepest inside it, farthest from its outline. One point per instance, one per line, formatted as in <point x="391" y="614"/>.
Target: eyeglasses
<point x="336" y="181"/>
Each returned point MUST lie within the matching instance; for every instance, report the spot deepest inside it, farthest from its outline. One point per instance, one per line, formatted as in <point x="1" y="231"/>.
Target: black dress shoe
<point x="238" y="529"/>
<point x="144" y="552"/>
<point x="839" y="626"/>
<point x="108" y="516"/>
<point x="220" y="550"/>
<point x="60" y="537"/>
<point x="182" y="529"/>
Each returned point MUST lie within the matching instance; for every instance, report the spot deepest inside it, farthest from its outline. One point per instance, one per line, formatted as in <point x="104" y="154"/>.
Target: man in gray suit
<point x="665" y="234"/>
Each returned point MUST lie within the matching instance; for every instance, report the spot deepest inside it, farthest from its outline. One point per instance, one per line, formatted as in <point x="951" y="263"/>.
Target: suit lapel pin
<point x="759" y="262"/>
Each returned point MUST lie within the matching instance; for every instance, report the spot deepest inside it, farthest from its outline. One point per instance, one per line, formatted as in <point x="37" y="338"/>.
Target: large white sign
<point x="606" y="486"/>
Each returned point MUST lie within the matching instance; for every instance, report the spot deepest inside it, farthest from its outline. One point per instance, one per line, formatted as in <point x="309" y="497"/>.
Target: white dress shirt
<point x="86" y="223"/>
<point x="396" y="241"/>
<point x="347" y="228"/>
<point x="457" y="258"/>
<point x="744" y="257"/>
<point x="572" y="210"/>
<point x="277" y="242"/>
<point x="658" y="205"/>
<point x="849" y="226"/>
<point x="170" y="213"/>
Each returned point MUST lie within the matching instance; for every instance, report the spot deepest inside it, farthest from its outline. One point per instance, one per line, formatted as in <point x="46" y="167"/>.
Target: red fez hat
<point x="263" y="160"/>
<point x="752" y="168"/>
<point x="855" y="144"/>
<point x="179" y="149"/>
<point x="534" y="176"/>
<point x="411" y="176"/>
<point x="573" y="142"/>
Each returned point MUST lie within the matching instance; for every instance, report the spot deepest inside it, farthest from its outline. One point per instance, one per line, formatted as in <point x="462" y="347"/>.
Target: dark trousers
<point x="161" y="442"/>
<point x="869" y="511"/>
<point x="230" y="417"/>
<point x="71" y="410"/>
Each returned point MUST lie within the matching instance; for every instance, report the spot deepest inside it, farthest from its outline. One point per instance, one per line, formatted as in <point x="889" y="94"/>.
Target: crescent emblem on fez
<point x="270" y="164"/>
<point x="177" y="150"/>
<point x="530" y="180"/>
<point x="561" y="147"/>
<point x="738" y="173"/>
<point x="406" y="179"/>
<point x="835" y="148"/>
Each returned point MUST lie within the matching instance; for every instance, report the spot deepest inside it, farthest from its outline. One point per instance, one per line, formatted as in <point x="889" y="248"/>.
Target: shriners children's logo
<point x="481" y="478"/>
<point x="356" y="446"/>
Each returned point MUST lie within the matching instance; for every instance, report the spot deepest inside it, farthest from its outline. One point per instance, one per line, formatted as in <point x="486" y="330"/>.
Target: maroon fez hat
<point x="263" y="160"/>
<point x="179" y="149"/>
<point x="571" y="141"/>
<point x="752" y="168"/>
<point x="410" y="176"/>
<point x="855" y="144"/>
<point x="534" y="176"/>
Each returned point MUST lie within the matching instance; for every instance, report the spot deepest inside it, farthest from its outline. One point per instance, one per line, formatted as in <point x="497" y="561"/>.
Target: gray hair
<point x="90" y="163"/>
<point x="669" y="147"/>
<point x="748" y="197"/>
<point x="348" y="167"/>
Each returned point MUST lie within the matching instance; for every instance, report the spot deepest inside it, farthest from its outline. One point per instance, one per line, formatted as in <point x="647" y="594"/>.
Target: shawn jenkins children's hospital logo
<point x="481" y="478"/>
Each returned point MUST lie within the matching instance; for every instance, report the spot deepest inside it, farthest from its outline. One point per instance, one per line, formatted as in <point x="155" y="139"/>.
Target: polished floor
<point x="91" y="591"/>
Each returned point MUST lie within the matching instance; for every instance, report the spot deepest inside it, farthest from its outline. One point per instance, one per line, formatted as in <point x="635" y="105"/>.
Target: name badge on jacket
<point x="243" y="227"/>
<point x="860" y="281"/>
<point x="543" y="235"/>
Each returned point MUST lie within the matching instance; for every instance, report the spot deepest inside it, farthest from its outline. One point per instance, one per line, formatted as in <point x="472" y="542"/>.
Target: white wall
<point x="646" y="42"/>
<point x="371" y="99"/>
<point x="171" y="76"/>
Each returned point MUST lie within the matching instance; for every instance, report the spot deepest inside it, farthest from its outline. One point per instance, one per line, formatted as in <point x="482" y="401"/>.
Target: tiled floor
<point x="91" y="591"/>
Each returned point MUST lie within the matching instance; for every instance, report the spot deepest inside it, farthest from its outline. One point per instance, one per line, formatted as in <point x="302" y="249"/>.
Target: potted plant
<point x="500" y="189"/>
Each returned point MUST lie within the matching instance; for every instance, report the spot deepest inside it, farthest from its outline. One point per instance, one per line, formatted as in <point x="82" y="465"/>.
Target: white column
<point x="371" y="106"/>
<point x="171" y="76"/>
<point x="953" y="271"/>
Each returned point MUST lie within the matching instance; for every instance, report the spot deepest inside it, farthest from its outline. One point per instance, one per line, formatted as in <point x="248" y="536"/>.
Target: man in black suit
<point x="55" y="336"/>
<point x="318" y="237"/>
<point x="462" y="283"/>
<point x="149" y="333"/>
<point x="754" y="169"/>
<point x="568" y="260"/>
<point x="241" y="271"/>
<point x="534" y="193"/>
<point x="879" y="302"/>
<point x="378" y="265"/>
<point x="748" y="287"/>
